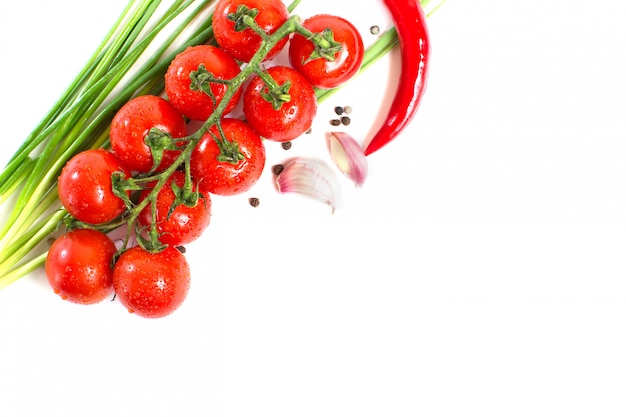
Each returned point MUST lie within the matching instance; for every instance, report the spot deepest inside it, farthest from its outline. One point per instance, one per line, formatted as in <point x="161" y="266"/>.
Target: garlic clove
<point x="308" y="177"/>
<point x="348" y="156"/>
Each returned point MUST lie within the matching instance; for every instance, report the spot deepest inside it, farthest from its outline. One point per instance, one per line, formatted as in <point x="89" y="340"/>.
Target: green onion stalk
<point x="128" y="62"/>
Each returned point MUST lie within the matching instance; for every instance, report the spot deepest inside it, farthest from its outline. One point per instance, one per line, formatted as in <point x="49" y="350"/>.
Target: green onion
<point x="128" y="62"/>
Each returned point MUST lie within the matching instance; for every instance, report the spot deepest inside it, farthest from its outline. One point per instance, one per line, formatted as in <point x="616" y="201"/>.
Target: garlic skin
<point x="348" y="155"/>
<point x="308" y="177"/>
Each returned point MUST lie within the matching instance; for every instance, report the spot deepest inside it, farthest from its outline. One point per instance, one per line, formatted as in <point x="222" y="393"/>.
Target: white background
<point x="479" y="272"/>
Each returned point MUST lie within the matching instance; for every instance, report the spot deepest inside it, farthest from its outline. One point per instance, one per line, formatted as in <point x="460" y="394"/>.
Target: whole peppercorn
<point x="277" y="169"/>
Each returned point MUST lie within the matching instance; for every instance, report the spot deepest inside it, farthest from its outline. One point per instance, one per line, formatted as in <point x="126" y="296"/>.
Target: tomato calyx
<point x="151" y="243"/>
<point x="184" y="195"/>
<point x="229" y="149"/>
<point x="201" y="80"/>
<point x="123" y="185"/>
<point x="159" y="142"/>
<point x="244" y="18"/>
<point x="275" y="93"/>
<point x="325" y="46"/>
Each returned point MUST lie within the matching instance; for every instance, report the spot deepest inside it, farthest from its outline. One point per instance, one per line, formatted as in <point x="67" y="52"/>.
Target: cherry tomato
<point x="345" y="63"/>
<point x="151" y="285"/>
<point x="292" y="118"/>
<point x="243" y="44"/>
<point x="193" y="98"/>
<point x="85" y="186"/>
<point x="184" y="224"/>
<point x="78" y="266"/>
<point x="245" y="158"/>
<point x="131" y="125"/>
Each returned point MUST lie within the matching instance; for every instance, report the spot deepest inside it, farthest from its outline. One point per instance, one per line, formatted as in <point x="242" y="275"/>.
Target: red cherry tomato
<point x="218" y="176"/>
<point x="78" y="266"/>
<point x="151" y="285"/>
<point x="131" y="125"/>
<point x="321" y="72"/>
<point x="292" y="118"/>
<point x="184" y="224"/>
<point x="188" y="97"/>
<point x="85" y="186"/>
<point x="242" y="45"/>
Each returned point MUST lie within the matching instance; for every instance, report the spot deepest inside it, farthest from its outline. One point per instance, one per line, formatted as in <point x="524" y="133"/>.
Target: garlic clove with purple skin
<point x="348" y="156"/>
<point x="308" y="177"/>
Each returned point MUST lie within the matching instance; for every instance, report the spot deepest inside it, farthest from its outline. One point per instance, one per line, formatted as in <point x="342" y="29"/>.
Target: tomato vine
<point x="80" y="120"/>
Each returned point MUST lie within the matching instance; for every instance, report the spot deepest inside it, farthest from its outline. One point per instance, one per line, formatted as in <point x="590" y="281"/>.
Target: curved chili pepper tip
<point x="410" y="23"/>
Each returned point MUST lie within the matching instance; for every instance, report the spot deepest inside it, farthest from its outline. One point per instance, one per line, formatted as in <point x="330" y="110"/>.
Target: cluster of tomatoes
<point x="158" y="177"/>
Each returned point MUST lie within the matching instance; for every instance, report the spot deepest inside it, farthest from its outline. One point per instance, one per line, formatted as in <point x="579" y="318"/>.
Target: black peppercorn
<point x="277" y="169"/>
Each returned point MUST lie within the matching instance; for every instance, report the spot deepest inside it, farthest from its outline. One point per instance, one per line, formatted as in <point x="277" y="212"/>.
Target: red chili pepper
<point x="410" y="23"/>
